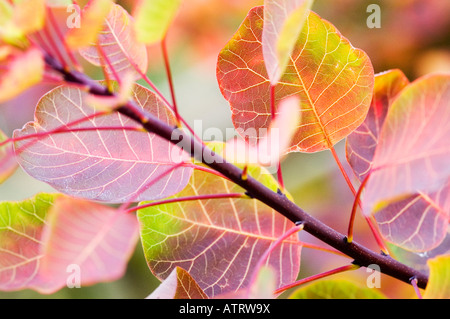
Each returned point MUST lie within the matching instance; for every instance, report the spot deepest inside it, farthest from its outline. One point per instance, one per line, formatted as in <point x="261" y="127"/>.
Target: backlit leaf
<point x="438" y="286"/>
<point x="119" y="45"/>
<point x="42" y="238"/>
<point x="96" y="239"/>
<point x="153" y="18"/>
<point x="283" y="21"/>
<point x="178" y="285"/>
<point x="8" y="162"/>
<point x="413" y="153"/>
<point x="21" y="227"/>
<point x="272" y="146"/>
<point x="333" y="79"/>
<point x="108" y="165"/>
<point x="335" y="289"/>
<point x="417" y="223"/>
<point x="91" y="23"/>
<point x="218" y="241"/>
<point x="20" y="72"/>
<point x="361" y="144"/>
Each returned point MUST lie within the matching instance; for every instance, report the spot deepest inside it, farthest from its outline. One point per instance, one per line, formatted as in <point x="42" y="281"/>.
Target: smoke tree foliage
<point x="227" y="228"/>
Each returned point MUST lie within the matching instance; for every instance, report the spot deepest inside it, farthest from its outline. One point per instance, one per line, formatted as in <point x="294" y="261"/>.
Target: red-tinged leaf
<point x="272" y="146"/>
<point x="20" y="72"/>
<point x="413" y="152"/>
<point x="118" y="45"/>
<point x="95" y="240"/>
<point x="43" y="237"/>
<point x="283" y="21"/>
<point x="105" y="165"/>
<point x="361" y="144"/>
<point x="418" y="223"/>
<point x="333" y="79"/>
<point x="21" y="226"/>
<point x="218" y="241"/>
<point x="91" y="23"/>
<point x="8" y="162"/>
<point x="178" y="285"/>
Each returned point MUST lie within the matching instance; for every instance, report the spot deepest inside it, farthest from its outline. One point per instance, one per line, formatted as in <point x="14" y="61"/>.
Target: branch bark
<point x="362" y="256"/>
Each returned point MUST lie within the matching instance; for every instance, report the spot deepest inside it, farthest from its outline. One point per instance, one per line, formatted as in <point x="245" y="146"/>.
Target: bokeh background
<point x="414" y="37"/>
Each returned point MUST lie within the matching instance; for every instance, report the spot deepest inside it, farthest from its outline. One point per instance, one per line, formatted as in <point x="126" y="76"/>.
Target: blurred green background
<point x="414" y="37"/>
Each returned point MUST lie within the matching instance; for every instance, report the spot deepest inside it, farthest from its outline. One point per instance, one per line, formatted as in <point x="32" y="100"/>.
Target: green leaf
<point x="335" y="289"/>
<point x="153" y="19"/>
<point x="439" y="282"/>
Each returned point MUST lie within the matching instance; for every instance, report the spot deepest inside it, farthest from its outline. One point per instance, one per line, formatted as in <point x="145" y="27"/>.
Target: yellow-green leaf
<point x="153" y="18"/>
<point x="439" y="282"/>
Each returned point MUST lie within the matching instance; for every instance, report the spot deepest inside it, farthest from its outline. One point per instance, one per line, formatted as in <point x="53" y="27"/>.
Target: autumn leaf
<point x="118" y="45"/>
<point x="283" y="21"/>
<point x="333" y="80"/>
<point x="42" y="236"/>
<point x="412" y="154"/>
<point x="218" y="240"/>
<point x="96" y="239"/>
<point x="361" y="144"/>
<point x="112" y="165"/>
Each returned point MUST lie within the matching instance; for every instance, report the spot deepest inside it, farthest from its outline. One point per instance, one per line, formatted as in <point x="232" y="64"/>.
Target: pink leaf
<point x="418" y="223"/>
<point x="274" y="145"/>
<point x="94" y="239"/>
<point x="119" y="45"/>
<point x="361" y="144"/>
<point x="112" y="165"/>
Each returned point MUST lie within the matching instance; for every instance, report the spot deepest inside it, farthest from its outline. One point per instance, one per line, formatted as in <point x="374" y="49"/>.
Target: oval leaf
<point x="361" y="144"/>
<point x="218" y="241"/>
<point x="43" y="238"/>
<point x="283" y="21"/>
<point x="93" y="239"/>
<point x="413" y="152"/>
<point x="109" y="165"/>
<point x="333" y="79"/>
<point x="119" y="45"/>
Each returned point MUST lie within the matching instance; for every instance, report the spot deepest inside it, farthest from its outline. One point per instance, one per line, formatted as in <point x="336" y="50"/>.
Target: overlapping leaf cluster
<point x="199" y="244"/>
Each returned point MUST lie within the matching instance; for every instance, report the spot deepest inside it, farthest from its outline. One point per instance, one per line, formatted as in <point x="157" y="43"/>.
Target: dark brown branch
<point x="362" y="256"/>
